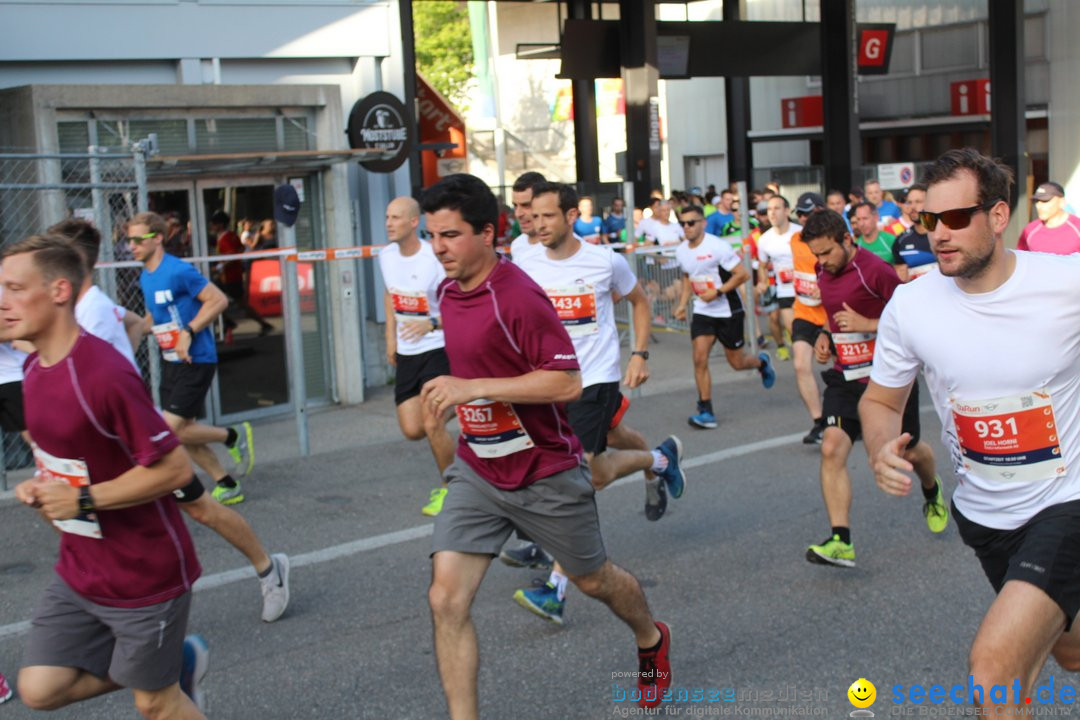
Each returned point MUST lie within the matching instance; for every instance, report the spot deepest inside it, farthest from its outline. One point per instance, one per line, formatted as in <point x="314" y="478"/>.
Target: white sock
<point x="559" y="581"/>
<point x="659" y="462"/>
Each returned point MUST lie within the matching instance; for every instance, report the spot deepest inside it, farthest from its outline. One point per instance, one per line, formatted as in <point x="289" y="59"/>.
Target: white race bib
<point x="704" y="283"/>
<point x="167" y="335"/>
<point x="806" y="288"/>
<point x="855" y="352"/>
<point x="75" y="474"/>
<point x="492" y="429"/>
<point x="410" y="304"/>
<point x="576" y="306"/>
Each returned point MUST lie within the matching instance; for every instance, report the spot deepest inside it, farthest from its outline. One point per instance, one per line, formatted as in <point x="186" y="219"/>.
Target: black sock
<point x="232" y="437"/>
<point x="705" y="406"/>
<point x="269" y="569"/>
<point x="819" y="422"/>
<point x="227" y="481"/>
<point x="844" y="533"/>
<point x="931" y="492"/>
<point x="655" y="647"/>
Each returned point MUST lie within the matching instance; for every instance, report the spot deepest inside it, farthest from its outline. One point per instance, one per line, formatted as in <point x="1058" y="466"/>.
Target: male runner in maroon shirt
<point x="116" y="612"/>
<point x="518" y="463"/>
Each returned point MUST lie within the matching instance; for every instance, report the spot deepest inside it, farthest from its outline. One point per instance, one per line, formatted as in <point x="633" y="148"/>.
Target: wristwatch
<point x="86" y="503"/>
<point x="190" y="331"/>
<point x="643" y="354"/>
<point x="434" y="323"/>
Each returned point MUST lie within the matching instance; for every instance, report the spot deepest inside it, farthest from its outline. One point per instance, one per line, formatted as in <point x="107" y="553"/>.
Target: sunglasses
<point x="956" y="219"/>
<point x="140" y="239"/>
<point x="689" y="223"/>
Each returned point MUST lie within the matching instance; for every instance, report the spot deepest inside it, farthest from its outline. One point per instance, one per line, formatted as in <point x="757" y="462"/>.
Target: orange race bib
<point x="410" y="304"/>
<point x="806" y="288"/>
<point x="855" y="352"/>
<point x="576" y="307"/>
<point x="75" y="474"/>
<point x="785" y="275"/>
<point x="492" y="429"/>
<point x="167" y="335"/>
<point x="1009" y="439"/>
<point x="704" y="283"/>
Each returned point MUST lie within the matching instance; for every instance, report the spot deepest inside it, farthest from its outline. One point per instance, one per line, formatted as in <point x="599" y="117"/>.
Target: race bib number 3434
<point x="1010" y="439"/>
<point x="576" y="306"/>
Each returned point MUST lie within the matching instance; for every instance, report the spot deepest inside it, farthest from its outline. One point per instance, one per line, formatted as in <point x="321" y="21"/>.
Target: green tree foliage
<point x="444" y="53"/>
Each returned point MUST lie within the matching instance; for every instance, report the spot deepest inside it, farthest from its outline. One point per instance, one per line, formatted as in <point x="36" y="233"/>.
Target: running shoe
<point x="673" y="475"/>
<point x="530" y="556"/>
<point x="654" y="670"/>
<point x="434" y="504"/>
<point x="228" y="495"/>
<point x="275" y="588"/>
<point x="832" y="552"/>
<point x="5" y="690"/>
<point x="814" y="436"/>
<point x="243" y="451"/>
<point x="703" y="419"/>
<point x="655" y="500"/>
<point x="542" y="600"/>
<point x="935" y="512"/>
<point x="192" y="672"/>
<point x="783" y="354"/>
<point x="768" y="375"/>
<point x="762" y="342"/>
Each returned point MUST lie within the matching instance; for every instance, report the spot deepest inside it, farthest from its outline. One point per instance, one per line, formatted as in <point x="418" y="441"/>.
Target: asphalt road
<point x="752" y="622"/>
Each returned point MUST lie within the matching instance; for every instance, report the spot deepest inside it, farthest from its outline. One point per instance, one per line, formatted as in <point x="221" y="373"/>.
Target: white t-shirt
<point x="521" y="248"/>
<point x="776" y="248"/>
<point x="709" y="266"/>
<point x="1003" y="369"/>
<point x="580" y="287"/>
<point x="412" y="283"/>
<point x="103" y="318"/>
<point x="658" y="232"/>
<point x="11" y="364"/>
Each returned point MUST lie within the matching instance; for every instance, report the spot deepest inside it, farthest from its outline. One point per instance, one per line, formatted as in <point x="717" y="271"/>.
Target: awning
<point x="254" y="163"/>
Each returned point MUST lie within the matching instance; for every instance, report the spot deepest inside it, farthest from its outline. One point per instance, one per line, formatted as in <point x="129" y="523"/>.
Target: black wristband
<point x="190" y="331"/>
<point x="86" y="502"/>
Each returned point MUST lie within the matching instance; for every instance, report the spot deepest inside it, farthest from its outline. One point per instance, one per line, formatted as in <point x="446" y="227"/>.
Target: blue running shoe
<point x="673" y="476"/>
<point x="196" y="663"/>
<point x="543" y="601"/>
<point x="703" y="419"/>
<point x="768" y="375"/>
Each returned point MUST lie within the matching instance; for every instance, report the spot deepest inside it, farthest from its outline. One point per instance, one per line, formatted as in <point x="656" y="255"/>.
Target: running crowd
<point x="524" y="352"/>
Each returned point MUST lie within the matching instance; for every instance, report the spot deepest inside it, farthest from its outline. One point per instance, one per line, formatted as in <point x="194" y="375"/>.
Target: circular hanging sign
<point x="378" y="121"/>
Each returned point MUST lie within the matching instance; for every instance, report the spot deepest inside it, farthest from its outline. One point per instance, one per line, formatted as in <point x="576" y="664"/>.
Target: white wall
<point x="696" y="126"/>
<point x="1064" y="100"/>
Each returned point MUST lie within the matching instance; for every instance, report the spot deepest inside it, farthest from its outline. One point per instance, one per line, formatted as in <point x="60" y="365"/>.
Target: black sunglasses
<point x="689" y="223"/>
<point x="956" y="219"/>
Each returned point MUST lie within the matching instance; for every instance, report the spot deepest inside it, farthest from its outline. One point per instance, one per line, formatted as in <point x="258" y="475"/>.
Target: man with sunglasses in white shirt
<point x="996" y="334"/>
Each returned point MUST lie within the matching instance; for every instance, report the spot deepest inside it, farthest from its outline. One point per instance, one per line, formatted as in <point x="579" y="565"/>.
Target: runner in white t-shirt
<point x="659" y="229"/>
<point x="713" y="273"/>
<point x="996" y="334"/>
<point x="521" y="195"/>
<point x="774" y="247"/>
<point x="414" y="339"/>
<point x="582" y="280"/>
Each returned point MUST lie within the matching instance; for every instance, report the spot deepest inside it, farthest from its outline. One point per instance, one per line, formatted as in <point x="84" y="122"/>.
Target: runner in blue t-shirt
<point x="588" y="227"/>
<point x="912" y="254"/>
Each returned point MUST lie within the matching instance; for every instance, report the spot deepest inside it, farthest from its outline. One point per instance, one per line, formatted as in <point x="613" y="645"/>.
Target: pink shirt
<point x="866" y="284"/>
<point x="92" y="408"/>
<point x="1061" y="240"/>
<point x="504" y="328"/>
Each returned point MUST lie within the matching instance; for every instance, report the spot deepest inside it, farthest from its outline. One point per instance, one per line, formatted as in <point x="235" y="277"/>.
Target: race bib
<point x="1010" y="439"/>
<point x="785" y="275"/>
<point x="576" y="306"/>
<point x="806" y="288"/>
<point x="167" y="335"/>
<point x="492" y="429"/>
<point x="920" y="270"/>
<point x="704" y="283"/>
<point x="410" y="304"/>
<point x="855" y="353"/>
<point x="75" y="474"/>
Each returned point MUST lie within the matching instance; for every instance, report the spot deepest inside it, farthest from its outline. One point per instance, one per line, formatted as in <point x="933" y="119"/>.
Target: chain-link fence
<point x="103" y="186"/>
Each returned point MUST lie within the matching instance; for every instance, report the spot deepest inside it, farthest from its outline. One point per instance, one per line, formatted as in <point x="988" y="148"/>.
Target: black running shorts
<point x="591" y="416"/>
<point x="415" y="370"/>
<point x="184" y="386"/>
<point x="729" y="330"/>
<point x="840" y="406"/>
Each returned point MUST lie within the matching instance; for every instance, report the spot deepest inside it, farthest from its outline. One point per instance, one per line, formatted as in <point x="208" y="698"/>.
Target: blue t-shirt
<point x="613" y="225"/>
<point x="171" y="293"/>
<point x="592" y="226"/>
<point x="714" y="224"/>
<point x="888" y="209"/>
<point x="912" y="248"/>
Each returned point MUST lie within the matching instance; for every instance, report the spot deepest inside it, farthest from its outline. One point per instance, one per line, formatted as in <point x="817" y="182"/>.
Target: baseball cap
<point x="286" y="205"/>
<point x="696" y="190"/>
<point x="808" y="202"/>
<point x="715" y="200"/>
<point x="1047" y="191"/>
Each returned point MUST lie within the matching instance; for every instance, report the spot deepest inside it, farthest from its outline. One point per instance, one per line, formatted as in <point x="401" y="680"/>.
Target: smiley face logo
<point x="862" y="693"/>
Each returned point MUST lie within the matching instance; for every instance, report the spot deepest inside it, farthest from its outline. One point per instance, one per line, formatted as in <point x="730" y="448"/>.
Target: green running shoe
<point x="228" y="495"/>
<point x="434" y="505"/>
<point x="832" y="552"/>
<point x="935" y="512"/>
<point x="543" y="601"/>
<point x="243" y="452"/>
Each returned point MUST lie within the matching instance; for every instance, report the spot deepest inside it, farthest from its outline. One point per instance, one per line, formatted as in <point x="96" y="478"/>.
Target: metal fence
<point x="104" y="186"/>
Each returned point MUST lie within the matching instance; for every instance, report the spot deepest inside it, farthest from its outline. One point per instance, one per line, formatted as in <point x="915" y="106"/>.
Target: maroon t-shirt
<point x="866" y="284"/>
<point x="1061" y="240"/>
<point x="508" y="327"/>
<point x="92" y="408"/>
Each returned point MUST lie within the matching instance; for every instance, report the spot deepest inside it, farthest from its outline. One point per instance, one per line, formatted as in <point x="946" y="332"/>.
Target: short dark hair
<point x="55" y="257"/>
<point x="568" y="197"/>
<point x="467" y="194"/>
<point x="865" y="204"/>
<point x="993" y="177"/>
<point x="83" y="236"/>
<point x="917" y="186"/>
<point x="778" y="195"/>
<point x="824" y="223"/>
<point x="694" y="209"/>
<point x="528" y="181"/>
<point x="220" y="217"/>
<point x="726" y="191"/>
<point x="834" y="191"/>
